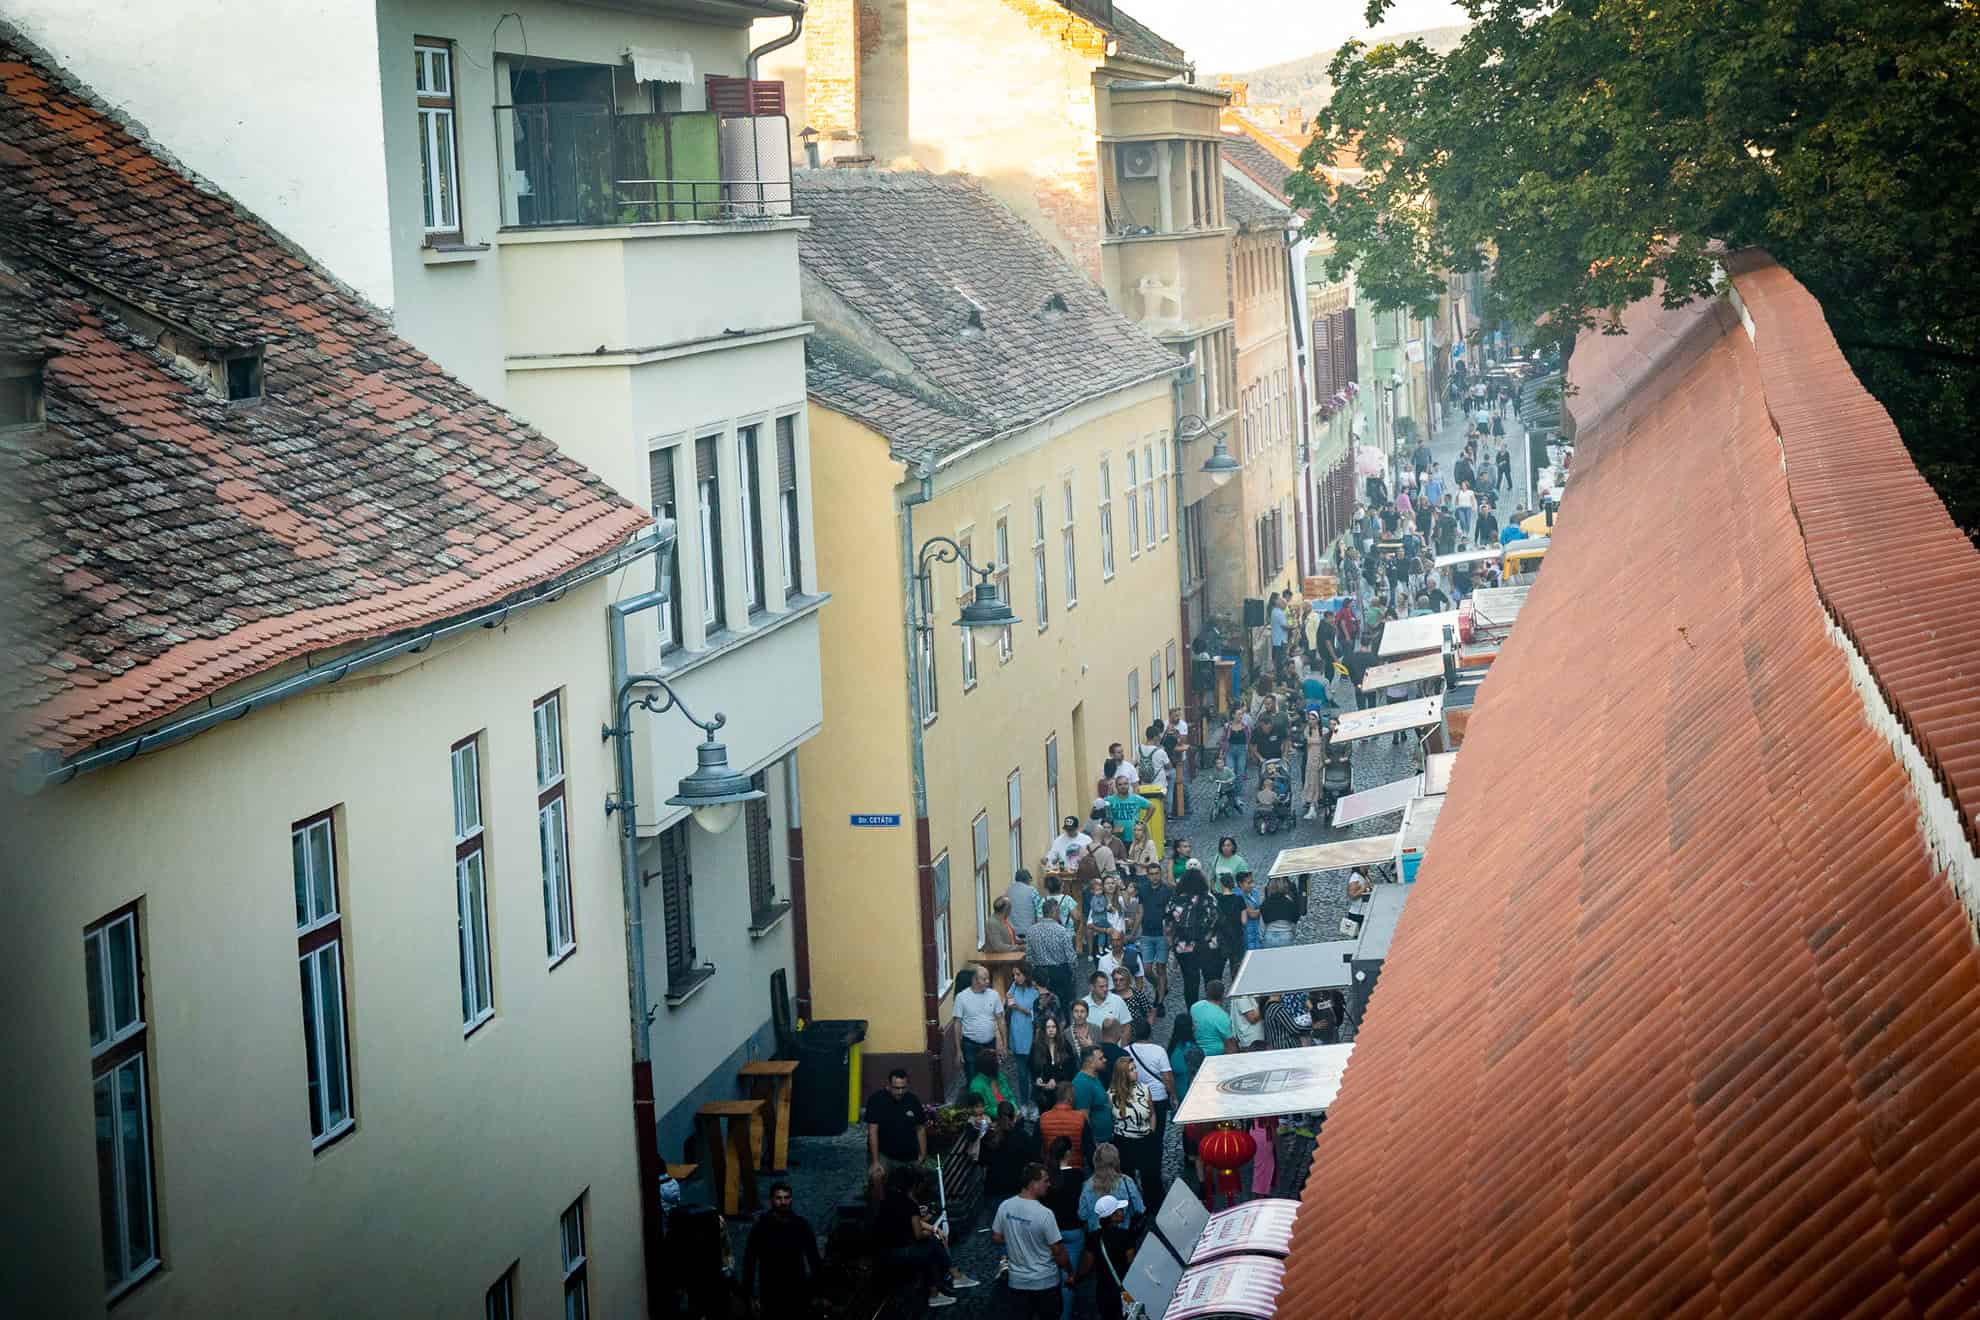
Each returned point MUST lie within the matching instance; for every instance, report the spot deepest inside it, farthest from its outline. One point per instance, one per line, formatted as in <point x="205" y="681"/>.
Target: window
<point x="471" y="886"/>
<point x="1154" y="692"/>
<point x="944" y="964"/>
<point x="979" y="839"/>
<point x="577" y="1301"/>
<point x="924" y="647"/>
<point x="963" y="596"/>
<point x="119" y="1057"/>
<point x="1014" y="803"/>
<point x="660" y="479"/>
<point x="1135" y="725"/>
<point x="499" y="1302"/>
<point x="439" y="167"/>
<point x="752" y="515"/>
<point x="1066" y="547"/>
<point x="1148" y="497"/>
<point x="1133" y="508"/>
<point x="763" y="906"/>
<point x="708" y="495"/>
<point x="1162" y="456"/>
<point x="1170" y="657"/>
<point x="553" y="838"/>
<point x="677" y="907"/>
<point x="1052" y="779"/>
<point x="320" y="953"/>
<point x="787" y="496"/>
<point x="1003" y="580"/>
<point x="1039" y="591"/>
<point x="1106" y="522"/>
<point x="21" y="401"/>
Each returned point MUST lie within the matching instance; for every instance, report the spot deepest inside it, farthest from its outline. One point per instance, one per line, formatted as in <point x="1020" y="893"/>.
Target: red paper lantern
<point x="1225" y="1151"/>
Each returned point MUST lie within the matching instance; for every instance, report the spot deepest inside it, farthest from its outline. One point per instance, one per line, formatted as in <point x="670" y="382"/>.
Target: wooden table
<point x="731" y="1134"/>
<point x="999" y="966"/>
<point x="769" y="1080"/>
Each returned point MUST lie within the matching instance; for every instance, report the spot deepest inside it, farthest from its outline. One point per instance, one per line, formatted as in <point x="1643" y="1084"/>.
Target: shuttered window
<point x="756" y="833"/>
<point x="660" y="479"/>
<point x="676" y="878"/>
<point x="787" y="501"/>
<point x="752" y="516"/>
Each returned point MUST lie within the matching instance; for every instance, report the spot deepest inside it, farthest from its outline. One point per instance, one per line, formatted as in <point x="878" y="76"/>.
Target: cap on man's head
<point x="1072" y="823"/>
<point x="1108" y="1206"/>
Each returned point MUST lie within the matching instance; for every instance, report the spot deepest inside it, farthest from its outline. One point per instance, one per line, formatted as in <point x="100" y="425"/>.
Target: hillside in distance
<point x="1304" y="82"/>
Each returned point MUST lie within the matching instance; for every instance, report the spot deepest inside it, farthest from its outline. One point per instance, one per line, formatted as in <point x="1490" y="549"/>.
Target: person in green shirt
<point x="1212" y="1021"/>
<point x="1230" y="863"/>
<point x="1126" y="807"/>
<point x="1180" y="851"/>
<point x="1090" y="1094"/>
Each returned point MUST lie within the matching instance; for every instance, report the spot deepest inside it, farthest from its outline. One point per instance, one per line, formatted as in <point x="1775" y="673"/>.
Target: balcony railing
<point x="579" y="163"/>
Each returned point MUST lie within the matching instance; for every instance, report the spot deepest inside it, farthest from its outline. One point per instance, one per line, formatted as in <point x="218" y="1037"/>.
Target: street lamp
<point x="986" y="608"/>
<point x="1220" y="467"/>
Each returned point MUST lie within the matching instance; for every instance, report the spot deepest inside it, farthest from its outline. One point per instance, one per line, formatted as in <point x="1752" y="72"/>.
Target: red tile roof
<point x="1683" y="1016"/>
<point x="169" y="544"/>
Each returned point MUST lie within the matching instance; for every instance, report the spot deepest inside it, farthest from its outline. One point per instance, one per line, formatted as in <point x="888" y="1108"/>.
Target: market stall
<point x="1424" y="632"/>
<point x="1295" y="968"/>
<point x="1413" y="840"/>
<point x="1377" y="801"/>
<point x="1437" y="773"/>
<point x="1413" y="669"/>
<point x="1337" y="856"/>
<point x="1394" y="718"/>
<point x="1236" y="1088"/>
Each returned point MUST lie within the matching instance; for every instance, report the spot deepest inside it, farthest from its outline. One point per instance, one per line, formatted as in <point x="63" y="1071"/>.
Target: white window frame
<point x="1068" y="544"/>
<point x="749" y="457"/>
<point x="1135" y="725"/>
<point x="924" y="642"/>
<point x="670" y="614"/>
<point x="553" y="830"/>
<point x="1052" y="777"/>
<point x="979" y="843"/>
<point x="1106" y="520"/>
<point x="1169" y="657"/>
<point x="471" y="887"/>
<point x="708" y="528"/>
<point x="964" y="594"/>
<point x="439" y="140"/>
<point x="1014" y="806"/>
<point x="791" y="543"/>
<point x="1133" y="504"/>
<point x="945" y="980"/>
<point x="1148" y="495"/>
<point x="1041" y="589"/>
<point x="1162" y="454"/>
<point x="320" y="958"/>
<point x="571" y="1246"/>
<point x="1002" y="577"/>
<point x="121" y="1048"/>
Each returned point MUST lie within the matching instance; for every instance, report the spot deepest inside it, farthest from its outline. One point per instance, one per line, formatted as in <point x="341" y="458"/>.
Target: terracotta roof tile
<point x="167" y="543"/>
<point x="1691" y="1024"/>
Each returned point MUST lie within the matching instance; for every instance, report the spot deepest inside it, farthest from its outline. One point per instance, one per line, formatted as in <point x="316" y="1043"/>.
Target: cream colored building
<point x="969" y="384"/>
<point x="483" y="177"/>
<point x="314" y="928"/>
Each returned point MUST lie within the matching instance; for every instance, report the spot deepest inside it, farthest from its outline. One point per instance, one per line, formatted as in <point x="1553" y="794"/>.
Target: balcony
<point x="565" y="163"/>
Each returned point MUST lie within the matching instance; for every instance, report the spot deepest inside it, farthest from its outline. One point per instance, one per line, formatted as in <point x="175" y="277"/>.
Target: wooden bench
<point x="769" y="1080"/>
<point x="731" y="1133"/>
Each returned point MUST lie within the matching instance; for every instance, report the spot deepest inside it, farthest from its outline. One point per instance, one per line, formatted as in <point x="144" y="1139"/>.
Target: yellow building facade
<point x="966" y="383"/>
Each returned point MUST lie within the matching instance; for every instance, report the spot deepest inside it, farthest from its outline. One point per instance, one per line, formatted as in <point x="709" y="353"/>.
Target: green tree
<point x="1586" y="152"/>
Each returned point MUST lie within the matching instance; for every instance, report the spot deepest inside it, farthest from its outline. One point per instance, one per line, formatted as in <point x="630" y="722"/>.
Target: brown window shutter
<point x="660" y="478"/>
<point x="704" y="458"/>
<point x="786" y="454"/>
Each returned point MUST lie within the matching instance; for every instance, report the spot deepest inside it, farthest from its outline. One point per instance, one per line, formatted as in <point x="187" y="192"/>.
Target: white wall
<point x="466" y="1150"/>
<point x="274" y="101"/>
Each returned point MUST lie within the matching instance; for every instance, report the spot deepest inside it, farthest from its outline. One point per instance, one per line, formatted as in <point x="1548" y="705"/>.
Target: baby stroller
<point x="1336" y="779"/>
<point x="1272" y="808"/>
<point x="1224" y="793"/>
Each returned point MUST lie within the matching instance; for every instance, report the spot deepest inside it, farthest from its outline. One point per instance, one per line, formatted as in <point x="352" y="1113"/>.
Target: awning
<point x="1418" y="822"/>
<point x="1468" y="557"/>
<point x="1413" y="670"/>
<point x="1437" y="773"/>
<point x="1245" y="1286"/>
<point x="655" y="65"/>
<point x="1337" y="856"/>
<point x="1295" y="968"/>
<point x="1425" y="632"/>
<point x="1390" y="719"/>
<point x="1380" y="801"/>
<point x="1265" y="1084"/>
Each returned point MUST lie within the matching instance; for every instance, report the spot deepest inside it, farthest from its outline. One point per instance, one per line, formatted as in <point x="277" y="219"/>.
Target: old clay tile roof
<point x="1132" y="37"/>
<point x="1683" y="1016"/>
<point x="1245" y="208"/>
<point x="1256" y="162"/>
<point x="896" y="261"/>
<point x="167" y="544"/>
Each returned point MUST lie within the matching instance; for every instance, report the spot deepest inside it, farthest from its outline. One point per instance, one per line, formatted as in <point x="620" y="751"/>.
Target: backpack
<point x="1144" y="764"/>
<point x="1199" y="923"/>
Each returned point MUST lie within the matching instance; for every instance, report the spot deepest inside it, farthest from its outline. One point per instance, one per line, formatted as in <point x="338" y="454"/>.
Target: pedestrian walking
<point x="1029" y="1234"/>
<point x="780" y="1260"/>
<point x="1505" y="480"/>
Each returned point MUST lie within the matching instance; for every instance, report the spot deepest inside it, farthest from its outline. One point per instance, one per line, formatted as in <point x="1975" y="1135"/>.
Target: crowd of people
<point x="1074" y="1070"/>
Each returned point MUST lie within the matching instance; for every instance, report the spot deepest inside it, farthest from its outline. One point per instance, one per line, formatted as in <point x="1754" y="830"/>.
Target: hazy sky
<point x="1243" y="34"/>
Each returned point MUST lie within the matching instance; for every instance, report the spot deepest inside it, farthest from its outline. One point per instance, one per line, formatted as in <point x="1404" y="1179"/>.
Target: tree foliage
<point x="1589" y="152"/>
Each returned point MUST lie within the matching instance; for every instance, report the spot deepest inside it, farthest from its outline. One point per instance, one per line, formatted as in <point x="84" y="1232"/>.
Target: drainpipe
<point x="646" y="1130"/>
<point x="924" y="859"/>
<point x="797" y="30"/>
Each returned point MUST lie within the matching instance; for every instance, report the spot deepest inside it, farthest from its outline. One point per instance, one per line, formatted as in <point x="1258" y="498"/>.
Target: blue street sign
<point x="876" y="821"/>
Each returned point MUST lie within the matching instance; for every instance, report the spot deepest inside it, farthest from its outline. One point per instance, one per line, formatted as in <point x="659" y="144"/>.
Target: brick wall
<point x="831" y="66"/>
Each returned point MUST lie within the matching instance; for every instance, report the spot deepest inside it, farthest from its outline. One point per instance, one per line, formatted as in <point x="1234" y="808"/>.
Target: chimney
<point x="832" y="46"/>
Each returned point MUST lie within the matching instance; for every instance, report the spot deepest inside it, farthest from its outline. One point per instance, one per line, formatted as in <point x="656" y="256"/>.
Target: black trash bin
<point x="824" y="1095"/>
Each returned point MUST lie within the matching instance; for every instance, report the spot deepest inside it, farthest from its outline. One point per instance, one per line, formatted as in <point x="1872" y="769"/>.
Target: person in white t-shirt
<point x="1247" y="1020"/>
<point x="980" y="1014"/>
<point x="1103" y="1003"/>
<point x="1070" y="836"/>
<point x="1149" y="753"/>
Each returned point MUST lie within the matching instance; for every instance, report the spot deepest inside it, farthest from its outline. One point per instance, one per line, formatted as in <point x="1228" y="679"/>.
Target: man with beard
<point x="780" y="1262"/>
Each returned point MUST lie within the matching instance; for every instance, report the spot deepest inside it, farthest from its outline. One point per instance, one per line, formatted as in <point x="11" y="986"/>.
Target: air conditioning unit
<point x="1137" y="160"/>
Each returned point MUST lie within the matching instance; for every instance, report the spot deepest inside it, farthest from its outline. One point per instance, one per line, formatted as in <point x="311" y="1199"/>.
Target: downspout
<point x="924" y="859"/>
<point x="646" y="1128"/>
<point x="797" y="30"/>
